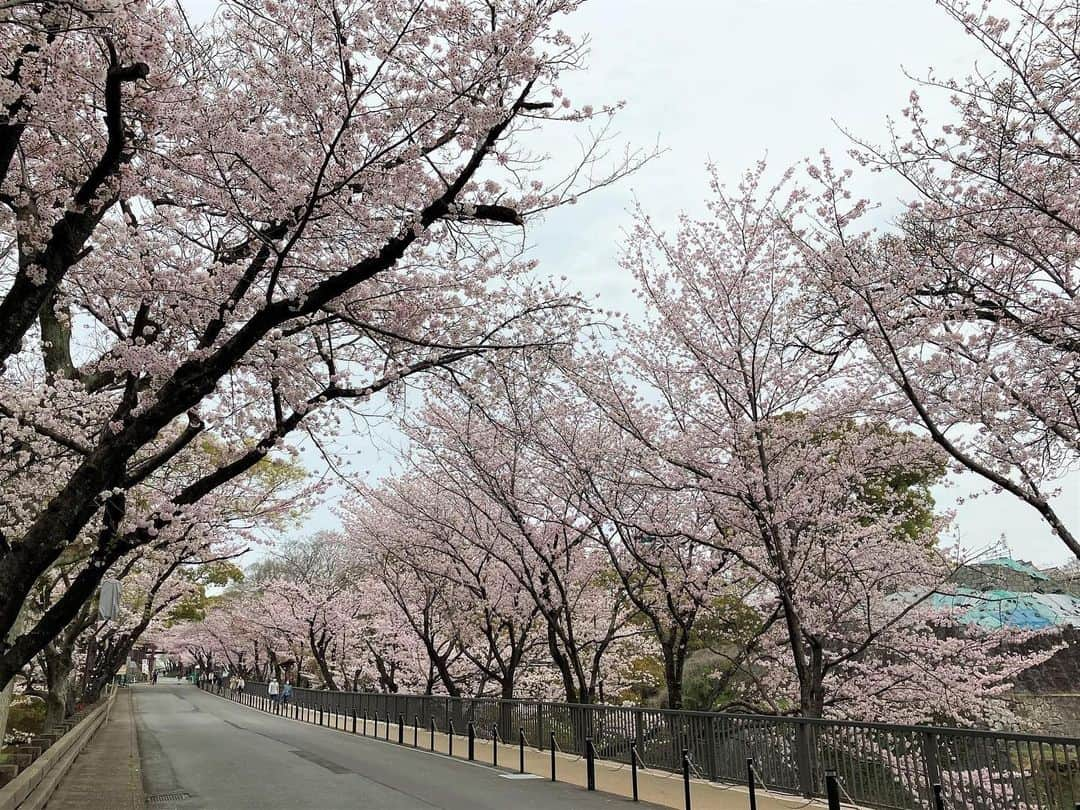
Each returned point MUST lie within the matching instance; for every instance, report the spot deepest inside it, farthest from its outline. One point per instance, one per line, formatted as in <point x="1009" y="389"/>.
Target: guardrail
<point x="893" y="767"/>
<point x="32" y="787"/>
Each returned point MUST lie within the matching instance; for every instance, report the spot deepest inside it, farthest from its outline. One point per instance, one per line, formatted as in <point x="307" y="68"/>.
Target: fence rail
<point x="893" y="767"/>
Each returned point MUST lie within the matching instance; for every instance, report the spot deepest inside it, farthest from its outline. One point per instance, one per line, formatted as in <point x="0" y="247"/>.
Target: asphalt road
<point x="228" y="757"/>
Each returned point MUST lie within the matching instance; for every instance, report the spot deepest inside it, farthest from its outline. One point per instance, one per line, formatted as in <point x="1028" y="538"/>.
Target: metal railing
<point x="878" y="764"/>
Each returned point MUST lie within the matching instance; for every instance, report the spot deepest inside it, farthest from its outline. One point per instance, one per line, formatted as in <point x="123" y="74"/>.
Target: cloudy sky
<point x="731" y="82"/>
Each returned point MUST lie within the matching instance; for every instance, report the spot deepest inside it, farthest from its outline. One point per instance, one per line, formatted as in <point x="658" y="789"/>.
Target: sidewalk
<point x="106" y="774"/>
<point x="658" y="787"/>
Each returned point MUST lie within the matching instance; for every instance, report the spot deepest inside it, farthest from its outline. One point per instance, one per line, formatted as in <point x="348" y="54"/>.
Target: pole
<point x="450" y="739"/>
<point x="401" y="729"/>
<point x="472" y="741"/>
<point x="832" y="790"/>
<point x="590" y="765"/>
<point x="686" y="777"/>
<point x="432" y="732"/>
<point x="415" y="731"/>
<point x="751" y="783"/>
<point x="633" y="770"/>
<point x="353" y="719"/>
<point x="495" y="745"/>
<point x="521" y="749"/>
<point x="939" y="798"/>
<point x="553" y="756"/>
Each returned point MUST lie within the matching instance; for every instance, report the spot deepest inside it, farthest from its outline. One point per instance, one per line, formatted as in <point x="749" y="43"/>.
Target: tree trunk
<point x="673" y="674"/>
<point x="9" y="684"/>
<point x="561" y="662"/>
<point x="59" y="697"/>
<point x="812" y="689"/>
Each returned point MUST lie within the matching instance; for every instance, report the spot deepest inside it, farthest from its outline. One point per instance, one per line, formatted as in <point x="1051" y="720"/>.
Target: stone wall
<point x="1048" y="696"/>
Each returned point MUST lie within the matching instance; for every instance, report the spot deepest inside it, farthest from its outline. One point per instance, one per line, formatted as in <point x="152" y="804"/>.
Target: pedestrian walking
<point x="286" y="693"/>
<point x="273" y="689"/>
<point x="240" y="685"/>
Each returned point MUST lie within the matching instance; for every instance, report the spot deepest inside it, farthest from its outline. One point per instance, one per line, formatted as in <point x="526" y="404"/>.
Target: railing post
<point x="832" y="789"/>
<point x="540" y="725"/>
<point x="633" y="770"/>
<point x="751" y="782"/>
<point x="590" y="765"/>
<point x="930" y="757"/>
<point x="686" y="777"/>
<point x="521" y="749"/>
<point x="577" y="725"/>
<point x="553" y="756"/>
<point x="803" y="759"/>
<point x="472" y="741"/>
<point x="710" y="746"/>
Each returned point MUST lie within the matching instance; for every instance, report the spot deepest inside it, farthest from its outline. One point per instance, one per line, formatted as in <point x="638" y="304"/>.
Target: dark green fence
<point x="881" y="765"/>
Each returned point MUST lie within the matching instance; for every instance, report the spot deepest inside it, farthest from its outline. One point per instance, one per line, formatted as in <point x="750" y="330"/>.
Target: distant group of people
<point x="276" y="690"/>
<point x="279" y="693"/>
<point x="236" y="685"/>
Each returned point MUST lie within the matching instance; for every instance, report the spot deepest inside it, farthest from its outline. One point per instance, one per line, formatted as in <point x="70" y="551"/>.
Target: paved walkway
<point x="206" y="753"/>
<point x="105" y="776"/>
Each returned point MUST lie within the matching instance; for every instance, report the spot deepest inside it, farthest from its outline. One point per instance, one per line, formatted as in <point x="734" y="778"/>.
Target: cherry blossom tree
<point x="470" y="444"/>
<point x="309" y="613"/>
<point x="969" y="305"/>
<point x="742" y="400"/>
<point x="645" y="526"/>
<point x="283" y="213"/>
<point x="489" y="622"/>
<point x="611" y="494"/>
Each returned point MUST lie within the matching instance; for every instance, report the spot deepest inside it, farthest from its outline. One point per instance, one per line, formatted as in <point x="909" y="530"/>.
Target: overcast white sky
<point x="731" y="81"/>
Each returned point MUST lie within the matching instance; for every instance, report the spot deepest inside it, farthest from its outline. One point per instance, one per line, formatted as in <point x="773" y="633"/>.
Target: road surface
<point x="200" y="752"/>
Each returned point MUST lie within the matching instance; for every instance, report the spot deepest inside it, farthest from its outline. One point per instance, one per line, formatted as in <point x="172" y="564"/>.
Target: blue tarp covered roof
<point x="994" y="609"/>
